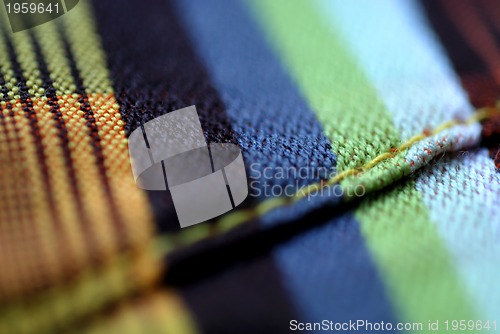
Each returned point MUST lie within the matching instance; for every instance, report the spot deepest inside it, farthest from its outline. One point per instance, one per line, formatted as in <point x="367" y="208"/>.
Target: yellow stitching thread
<point x="241" y="216"/>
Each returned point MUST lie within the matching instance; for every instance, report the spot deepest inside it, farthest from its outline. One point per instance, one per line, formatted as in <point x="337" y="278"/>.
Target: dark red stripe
<point x="476" y="75"/>
<point x="470" y="32"/>
<point x="491" y="10"/>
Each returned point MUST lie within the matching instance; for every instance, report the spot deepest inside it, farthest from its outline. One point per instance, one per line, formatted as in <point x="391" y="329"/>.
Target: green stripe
<point x="414" y="262"/>
<point x="415" y="265"/>
<point x="347" y="105"/>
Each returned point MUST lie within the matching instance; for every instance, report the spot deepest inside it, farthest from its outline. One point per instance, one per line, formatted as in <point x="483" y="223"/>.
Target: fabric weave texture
<point x="391" y="107"/>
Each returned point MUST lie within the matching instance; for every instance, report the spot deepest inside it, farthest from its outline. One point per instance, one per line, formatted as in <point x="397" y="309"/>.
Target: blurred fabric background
<point x="394" y="98"/>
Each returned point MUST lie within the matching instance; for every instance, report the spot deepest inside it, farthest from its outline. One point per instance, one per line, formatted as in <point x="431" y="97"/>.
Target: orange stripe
<point x="35" y="252"/>
<point x="26" y="244"/>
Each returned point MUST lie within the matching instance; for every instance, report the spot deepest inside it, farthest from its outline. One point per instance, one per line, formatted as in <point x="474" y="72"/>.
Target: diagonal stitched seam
<point x="242" y="216"/>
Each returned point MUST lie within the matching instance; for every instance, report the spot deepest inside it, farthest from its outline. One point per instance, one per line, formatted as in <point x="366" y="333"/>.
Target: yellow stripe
<point x="90" y="57"/>
<point x="90" y="293"/>
<point x="161" y="312"/>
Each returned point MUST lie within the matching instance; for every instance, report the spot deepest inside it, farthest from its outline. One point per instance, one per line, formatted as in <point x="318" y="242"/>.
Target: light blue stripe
<point x="401" y="56"/>
<point x="462" y="195"/>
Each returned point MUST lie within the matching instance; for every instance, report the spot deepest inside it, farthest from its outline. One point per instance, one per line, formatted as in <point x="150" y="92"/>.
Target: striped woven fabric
<point x="389" y="107"/>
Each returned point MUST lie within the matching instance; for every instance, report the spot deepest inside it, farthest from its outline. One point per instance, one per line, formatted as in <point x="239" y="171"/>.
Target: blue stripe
<point x="275" y="126"/>
<point x="331" y="275"/>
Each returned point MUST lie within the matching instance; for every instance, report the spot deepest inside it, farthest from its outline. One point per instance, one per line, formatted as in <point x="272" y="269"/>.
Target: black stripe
<point x="93" y="133"/>
<point x="155" y="70"/>
<point x="245" y="299"/>
<point x="228" y="275"/>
